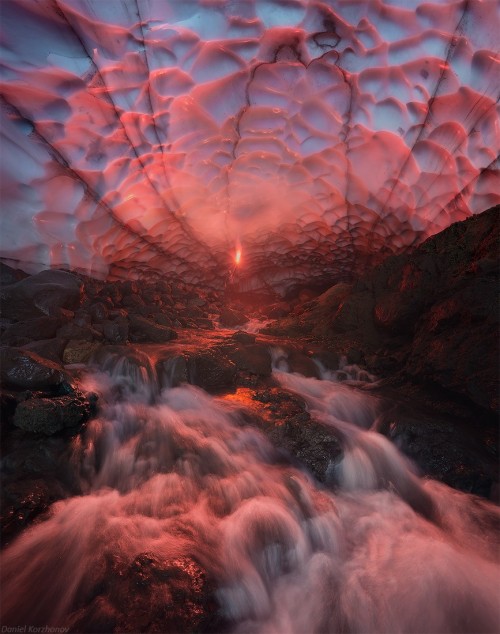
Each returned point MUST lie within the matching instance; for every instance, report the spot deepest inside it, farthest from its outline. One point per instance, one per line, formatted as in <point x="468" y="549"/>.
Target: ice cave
<point x="249" y="273"/>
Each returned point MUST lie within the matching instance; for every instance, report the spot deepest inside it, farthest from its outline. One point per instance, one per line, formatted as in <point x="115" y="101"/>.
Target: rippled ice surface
<point x="185" y="477"/>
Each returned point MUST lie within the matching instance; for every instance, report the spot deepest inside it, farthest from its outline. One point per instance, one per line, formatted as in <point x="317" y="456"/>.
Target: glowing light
<point x="237" y="257"/>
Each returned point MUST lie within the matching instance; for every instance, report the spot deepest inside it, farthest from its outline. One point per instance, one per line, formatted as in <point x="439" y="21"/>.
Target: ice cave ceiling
<point x="315" y="136"/>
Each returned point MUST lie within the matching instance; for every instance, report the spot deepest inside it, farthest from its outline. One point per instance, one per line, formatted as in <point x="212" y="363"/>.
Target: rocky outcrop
<point x="50" y="415"/>
<point x="429" y="316"/>
<point x="25" y="370"/>
<point x="39" y="295"/>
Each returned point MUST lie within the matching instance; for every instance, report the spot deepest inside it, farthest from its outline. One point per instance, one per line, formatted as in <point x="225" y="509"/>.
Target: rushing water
<point x="177" y="473"/>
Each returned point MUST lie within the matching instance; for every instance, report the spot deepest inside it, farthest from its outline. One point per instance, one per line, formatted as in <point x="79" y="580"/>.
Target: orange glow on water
<point x="237" y="257"/>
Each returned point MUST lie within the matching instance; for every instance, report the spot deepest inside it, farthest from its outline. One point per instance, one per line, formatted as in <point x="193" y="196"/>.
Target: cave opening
<point x="249" y="316"/>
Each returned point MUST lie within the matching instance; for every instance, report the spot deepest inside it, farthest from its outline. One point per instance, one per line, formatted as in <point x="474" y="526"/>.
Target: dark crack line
<point x="457" y="146"/>
<point x="449" y="54"/>
<point x="107" y="93"/>
<point x="150" y="100"/>
<point x="89" y="190"/>
<point x="457" y="197"/>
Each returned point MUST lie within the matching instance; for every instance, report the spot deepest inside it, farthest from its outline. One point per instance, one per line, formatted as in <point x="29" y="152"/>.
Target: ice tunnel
<point x="305" y="139"/>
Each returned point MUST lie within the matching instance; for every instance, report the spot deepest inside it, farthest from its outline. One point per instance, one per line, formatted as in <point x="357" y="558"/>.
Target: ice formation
<point x="312" y="137"/>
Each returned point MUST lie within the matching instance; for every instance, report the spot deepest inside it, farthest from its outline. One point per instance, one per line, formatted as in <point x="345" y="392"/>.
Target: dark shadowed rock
<point x="211" y="370"/>
<point x="230" y="317"/>
<point x="116" y="331"/>
<point x="243" y="337"/>
<point x="172" y="371"/>
<point x="42" y="294"/>
<point x="291" y="428"/>
<point x="51" y="349"/>
<point x="254" y="358"/>
<point x="23" y="332"/>
<point x="24" y="370"/>
<point x="50" y="415"/>
<point x="143" y="330"/>
<point x="8" y="275"/>
<point x="73" y="331"/>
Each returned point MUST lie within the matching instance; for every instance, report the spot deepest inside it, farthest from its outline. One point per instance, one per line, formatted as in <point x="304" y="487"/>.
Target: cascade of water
<point x="176" y="476"/>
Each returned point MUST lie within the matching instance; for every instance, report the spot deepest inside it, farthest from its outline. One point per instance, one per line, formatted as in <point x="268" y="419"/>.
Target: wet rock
<point x="291" y="428"/>
<point x="24" y="370"/>
<point x="447" y="450"/>
<point x="79" y="351"/>
<point x="133" y="301"/>
<point x="116" y="331"/>
<point x="73" y="331"/>
<point x="301" y="363"/>
<point x="153" y="594"/>
<point x="243" y="337"/>
<point x="50" y="415"/>
<point x="253" y="358"/>
<point x="23" y="501"/>
<point x="98" y="312"/>
<point x="42" y="294"/>
<point x="23" y="332"/>
<point x="172" y="371"/>
<point x="211" y="370"/>
<point x="162" y="319"/>
<point x="230" y="317"/>
<point x="206" y="324"/>
<point x="143" y="330"/>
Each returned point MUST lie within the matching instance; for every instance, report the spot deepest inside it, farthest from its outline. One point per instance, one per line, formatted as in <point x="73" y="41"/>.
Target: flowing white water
<point x="177" y="473"/>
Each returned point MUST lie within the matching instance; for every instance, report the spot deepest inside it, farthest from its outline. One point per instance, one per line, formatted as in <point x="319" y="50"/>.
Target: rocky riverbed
<point x="412" y="349"/>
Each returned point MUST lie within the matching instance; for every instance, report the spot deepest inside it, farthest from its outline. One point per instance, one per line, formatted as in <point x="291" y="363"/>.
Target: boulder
<point x="8" y="275"/>
<point x="50" y="415"/>
<point x="42" y="294"/>
<point x="116" y="331"/>
<point x="172" y="371"/>
<point x="211" y="370"/>
<point x="143" y="330"/>
<point x="23" y="332"/>
<point x="51" y="349"/>
<point x="25" y="370"/>
<point x="253" y="358"/>
<point x="79" y="351"/>
<point x="243" y="337"/>
<point x="230" y="317"/>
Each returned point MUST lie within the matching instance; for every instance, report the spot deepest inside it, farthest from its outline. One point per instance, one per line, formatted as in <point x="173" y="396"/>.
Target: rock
<point x="8" y="275"/>
<point x="42" y="294"/>
<point x="211" y="370"/>
<point x="23" y="501"/>
<point x="50" y="415"/>
<point x="23" y="332"/>
<point x="25" y="370"/>
<point x="143" y="330"/>
<point x="243" y="337"/>
<point x="446" y="450"/>
<point x="456" y="344"/>
<point x="79" y="351"/>
<point x="116" y="331"/>
<point x="73" y="331"/>
<point x="302" y="364"/>
<point x="229" y="317"/>
<point x="98" y="312"/>
<point x="51" y="349"/>
<point x="133" y="301"/>
<point x="172" y="371"/>
<point x="254" y="358"/>
<point x="291" y="428"/>
<point x="162" y="319"/>
<point x="206" y="324"/>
